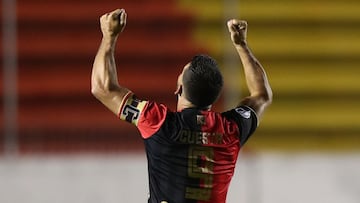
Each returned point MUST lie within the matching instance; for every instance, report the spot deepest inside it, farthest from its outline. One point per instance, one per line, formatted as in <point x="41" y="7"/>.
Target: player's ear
<point x="178" y="90"/>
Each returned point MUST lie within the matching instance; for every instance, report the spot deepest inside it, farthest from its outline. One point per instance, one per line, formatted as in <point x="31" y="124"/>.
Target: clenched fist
<point x="113" y="23"/>
<point x="238" y="30"/>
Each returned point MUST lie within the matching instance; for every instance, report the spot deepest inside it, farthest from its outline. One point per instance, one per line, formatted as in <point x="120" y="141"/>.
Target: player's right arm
<point x="104" y="81"/>
<point x="260" y="92"/>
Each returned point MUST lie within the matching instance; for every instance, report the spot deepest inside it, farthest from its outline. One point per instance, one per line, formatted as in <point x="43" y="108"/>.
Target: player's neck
<point x="183" y="103"/>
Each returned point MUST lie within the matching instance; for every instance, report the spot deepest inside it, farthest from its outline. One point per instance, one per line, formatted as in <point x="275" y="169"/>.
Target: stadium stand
<point x="57" y="43"/>
<point x="310" y="50"/>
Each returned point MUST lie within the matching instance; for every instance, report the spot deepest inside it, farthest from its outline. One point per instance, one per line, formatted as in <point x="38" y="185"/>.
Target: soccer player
<point x="191" y="152"/>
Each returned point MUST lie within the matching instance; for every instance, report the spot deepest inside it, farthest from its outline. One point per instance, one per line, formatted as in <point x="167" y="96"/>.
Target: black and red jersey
<point x="192" y="153"/>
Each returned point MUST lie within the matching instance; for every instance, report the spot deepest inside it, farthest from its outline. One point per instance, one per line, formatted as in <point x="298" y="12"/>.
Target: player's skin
<point x="106" y="88"/>
<point x="260" y="91"/>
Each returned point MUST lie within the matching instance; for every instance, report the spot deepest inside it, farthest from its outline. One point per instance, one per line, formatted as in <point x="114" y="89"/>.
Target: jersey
<point x="192" y="153"/>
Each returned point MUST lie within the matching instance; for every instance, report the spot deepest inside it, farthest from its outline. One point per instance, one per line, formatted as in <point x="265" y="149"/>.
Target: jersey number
<point x="201" y="165"/>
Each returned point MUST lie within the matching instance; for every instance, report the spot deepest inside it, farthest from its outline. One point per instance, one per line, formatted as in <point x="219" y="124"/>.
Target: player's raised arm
<point x="104" y="81"/>
<point x="256" y="80"/>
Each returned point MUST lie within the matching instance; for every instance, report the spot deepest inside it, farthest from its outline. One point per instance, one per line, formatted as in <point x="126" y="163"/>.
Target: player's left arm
<point x="104" y="82"/>
<point x="256" y="79"/>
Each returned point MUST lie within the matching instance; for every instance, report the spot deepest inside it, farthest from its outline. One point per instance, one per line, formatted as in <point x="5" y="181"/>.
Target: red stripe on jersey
<point x="224" y="154"/>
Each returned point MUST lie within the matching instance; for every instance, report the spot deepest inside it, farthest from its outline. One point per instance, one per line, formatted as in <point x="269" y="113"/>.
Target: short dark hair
<point x="202" y="81"/>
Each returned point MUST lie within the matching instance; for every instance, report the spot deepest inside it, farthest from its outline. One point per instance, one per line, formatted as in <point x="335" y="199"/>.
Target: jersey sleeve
<point x="147" y="116"/>
<point x="246" y="120"/>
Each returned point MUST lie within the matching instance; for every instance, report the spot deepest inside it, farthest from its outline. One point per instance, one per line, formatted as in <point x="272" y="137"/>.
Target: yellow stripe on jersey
<point x="131" y="110"/>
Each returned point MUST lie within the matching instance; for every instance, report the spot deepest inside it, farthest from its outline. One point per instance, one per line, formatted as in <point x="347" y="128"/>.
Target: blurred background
<point x="59" y="144"/>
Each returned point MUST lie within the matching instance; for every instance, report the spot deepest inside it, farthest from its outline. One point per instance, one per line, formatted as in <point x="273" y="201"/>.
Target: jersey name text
<point x="191" y="137"/>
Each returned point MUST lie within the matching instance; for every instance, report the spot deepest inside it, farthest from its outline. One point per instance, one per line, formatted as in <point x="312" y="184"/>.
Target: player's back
<point x="191" y="158"/>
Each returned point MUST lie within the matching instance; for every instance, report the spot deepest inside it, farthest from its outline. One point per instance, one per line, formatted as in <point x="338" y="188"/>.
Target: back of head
<point x="202" y="81"/>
